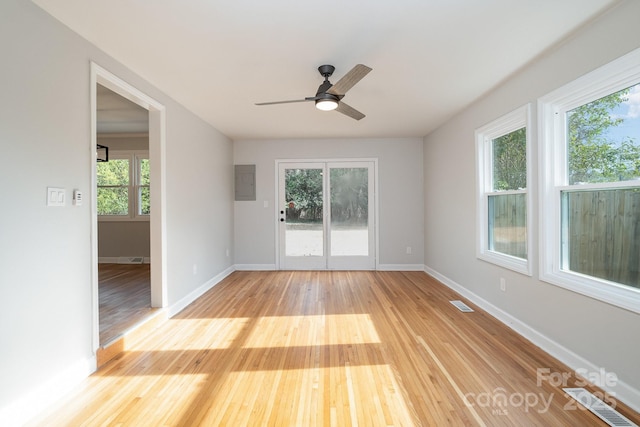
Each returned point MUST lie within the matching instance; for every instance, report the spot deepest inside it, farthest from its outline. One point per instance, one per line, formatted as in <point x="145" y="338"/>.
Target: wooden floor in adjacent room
<point x="327" y="348"/>
<point x="124" y="296"/>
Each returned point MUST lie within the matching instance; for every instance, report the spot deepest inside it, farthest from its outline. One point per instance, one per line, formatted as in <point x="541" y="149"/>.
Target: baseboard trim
<point x="400" y="267"/>
<point x="255" y="267"/>
<point x="116" y="259"/>
<point x="45" y="395"/>
<point x="197" y="293"/>
<point x="626" y="393"/>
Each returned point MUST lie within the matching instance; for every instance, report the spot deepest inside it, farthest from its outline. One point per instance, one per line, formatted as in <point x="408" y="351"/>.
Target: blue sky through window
<point x="630" y="112"/>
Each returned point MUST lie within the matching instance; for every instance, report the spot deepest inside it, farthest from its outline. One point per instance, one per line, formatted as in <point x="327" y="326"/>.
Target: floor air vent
<point x="605" y="412"/>
<point x="462" y="306"/>
<point x="130" y="260"/>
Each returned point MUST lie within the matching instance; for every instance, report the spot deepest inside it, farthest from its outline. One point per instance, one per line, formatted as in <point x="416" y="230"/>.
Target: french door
<point x="326" y="215"/>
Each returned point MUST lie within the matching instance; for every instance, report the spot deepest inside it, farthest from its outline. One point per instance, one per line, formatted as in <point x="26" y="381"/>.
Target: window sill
<point x="518" y="265"/>
<point x="123" y="219"/>
<point x="612" y="293"/>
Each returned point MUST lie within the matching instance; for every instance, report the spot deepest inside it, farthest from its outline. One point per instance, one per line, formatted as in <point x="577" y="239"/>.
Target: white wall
<point x="401" y="196"/>
<point x="582" y="331"/>
<point x="45" y="264"/>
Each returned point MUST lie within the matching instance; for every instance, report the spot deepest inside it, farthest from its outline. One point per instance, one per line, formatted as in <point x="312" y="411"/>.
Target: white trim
<point x="400" y="267"/>
<point x="255" y="267"/>
<point x="517" y="119"/>
<point x="93" y="236"/>
<point x="115" y="259"/>
<point x="157" y="155"/>
<point x="622" y="390"/>
<point x="610" y="78"/>
<point x="46" y="394"/>
<point x="197" y="293"/>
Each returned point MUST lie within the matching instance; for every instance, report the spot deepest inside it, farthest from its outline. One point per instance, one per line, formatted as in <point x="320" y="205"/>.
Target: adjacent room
<point x="336" y="213"/>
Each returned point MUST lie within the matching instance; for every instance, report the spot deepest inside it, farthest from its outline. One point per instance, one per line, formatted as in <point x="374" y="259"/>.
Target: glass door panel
<point x="351" y="225"/>
<point x="304" y="203"/>
<point x="349" y="189"/>
<point x="302" y="228"/>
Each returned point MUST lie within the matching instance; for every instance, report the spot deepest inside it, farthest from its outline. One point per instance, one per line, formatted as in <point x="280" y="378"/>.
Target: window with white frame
<point x="123" y="186"/>
<point x="503" y="197"/>
<point x="590" y="195"/>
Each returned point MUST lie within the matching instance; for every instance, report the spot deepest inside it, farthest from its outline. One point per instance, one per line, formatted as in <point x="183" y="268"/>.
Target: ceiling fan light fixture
<point x="326" y="104"/>
<point x="329" y="96"/>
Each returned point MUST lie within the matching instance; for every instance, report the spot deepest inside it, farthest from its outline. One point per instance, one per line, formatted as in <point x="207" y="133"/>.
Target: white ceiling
<point x="117" y="115"/>
<point x="430" y="58"/>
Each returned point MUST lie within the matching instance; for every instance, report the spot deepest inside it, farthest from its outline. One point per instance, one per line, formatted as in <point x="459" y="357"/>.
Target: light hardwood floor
<point x="326" y="348"/>
<point x="125" y="298"/>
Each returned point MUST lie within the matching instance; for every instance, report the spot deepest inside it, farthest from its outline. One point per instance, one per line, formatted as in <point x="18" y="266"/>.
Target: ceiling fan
<point x="329" y="96"/>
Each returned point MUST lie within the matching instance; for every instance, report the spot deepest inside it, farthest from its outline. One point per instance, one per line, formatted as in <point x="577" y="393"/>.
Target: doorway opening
<point x="128" y="232"/>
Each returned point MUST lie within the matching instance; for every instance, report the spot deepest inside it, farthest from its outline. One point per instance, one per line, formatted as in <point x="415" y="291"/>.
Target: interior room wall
<point x="582" y="331"/>
<point x="45" y="280"/>
<point x="123" y="239"/>
<point x="400" y="195"/>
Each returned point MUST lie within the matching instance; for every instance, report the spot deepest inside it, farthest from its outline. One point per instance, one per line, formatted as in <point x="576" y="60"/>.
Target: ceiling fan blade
<point x="348" y="110"/>
<point x="286" y="102"/>
<point x="349" y="80"/>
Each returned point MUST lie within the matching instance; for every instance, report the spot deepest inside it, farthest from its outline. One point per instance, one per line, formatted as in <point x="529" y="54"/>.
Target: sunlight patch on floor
<point x="300" y="331"/>
<point x="197" y="334"/>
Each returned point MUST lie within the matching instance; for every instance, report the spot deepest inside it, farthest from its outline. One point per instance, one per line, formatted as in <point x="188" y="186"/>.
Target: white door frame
<point x="278" y="263"/>
<point x="157" y="157"/>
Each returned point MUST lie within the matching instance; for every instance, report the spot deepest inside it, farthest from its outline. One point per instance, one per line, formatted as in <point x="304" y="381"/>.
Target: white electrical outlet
<point x="195" y="269"/>
<point x="503" y="285"/>
<point x="408" y="250"/>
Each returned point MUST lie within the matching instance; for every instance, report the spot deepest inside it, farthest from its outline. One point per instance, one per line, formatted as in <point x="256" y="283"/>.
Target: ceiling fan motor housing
<point x="326" y="70"/>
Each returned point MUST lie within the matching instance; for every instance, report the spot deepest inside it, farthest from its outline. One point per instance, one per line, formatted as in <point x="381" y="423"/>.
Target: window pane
<point x="510" y="161"/>
<point x="144" y="201"/>
<point x="304" y="227"/>
<point x="144" y="172"/>
<point x="113" y="172"/>
<point x="113" y="201"/>
<point x="508" y="224"/>
<point x="602" y="234"/>
<point x="349" y="211"/>
<point x="604" y="139"/>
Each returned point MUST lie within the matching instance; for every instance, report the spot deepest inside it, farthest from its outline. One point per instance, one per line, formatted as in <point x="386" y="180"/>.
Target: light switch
<point x="56" y="196"/>
<point x="265" y="204"/>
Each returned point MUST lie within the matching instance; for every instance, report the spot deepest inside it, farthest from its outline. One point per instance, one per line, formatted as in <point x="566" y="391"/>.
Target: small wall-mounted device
<point x="245" y="182"/>
<point x="77" y="197"/>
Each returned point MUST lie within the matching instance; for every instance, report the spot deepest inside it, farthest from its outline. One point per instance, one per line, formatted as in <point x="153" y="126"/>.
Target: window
<point x="123" y="186"/>
<point x="590" y="169"/>
<point x="503" y="198"/>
